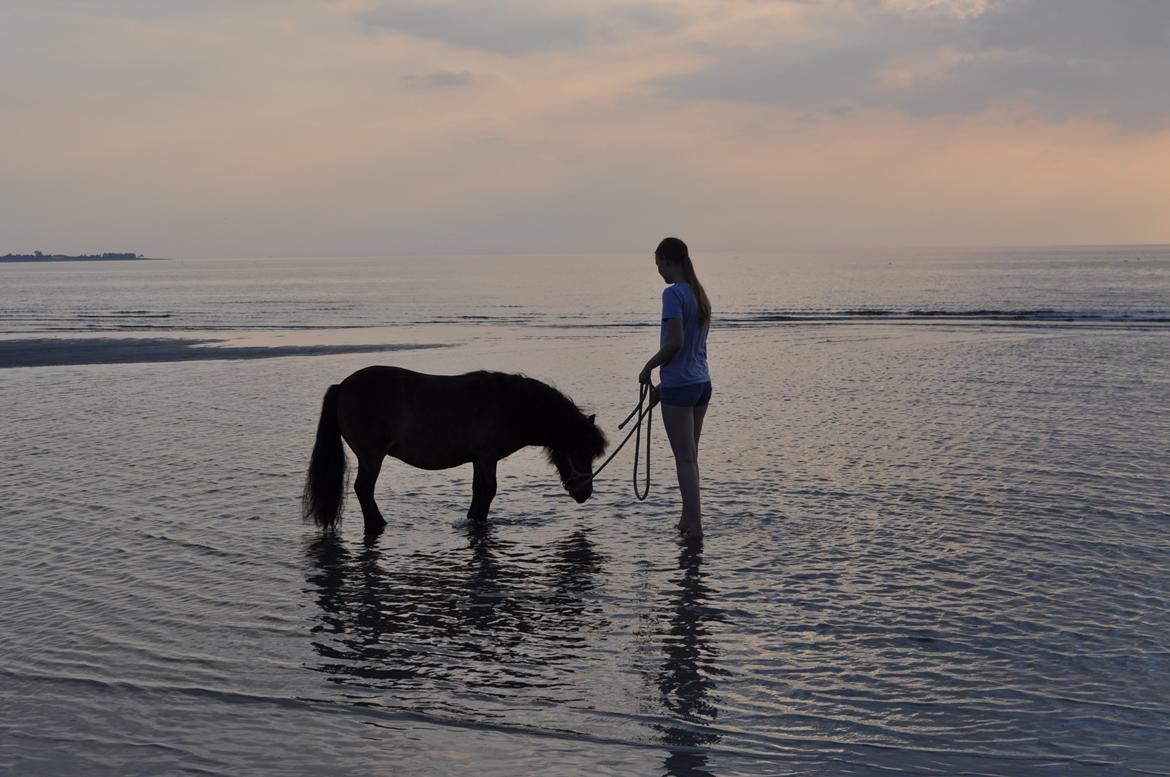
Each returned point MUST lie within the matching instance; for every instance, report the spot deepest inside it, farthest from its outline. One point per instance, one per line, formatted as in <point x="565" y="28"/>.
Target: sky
<point x="241" y="128"/>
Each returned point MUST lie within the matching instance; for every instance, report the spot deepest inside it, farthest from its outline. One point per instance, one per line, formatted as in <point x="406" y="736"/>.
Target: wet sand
<point x="50" y="352"/>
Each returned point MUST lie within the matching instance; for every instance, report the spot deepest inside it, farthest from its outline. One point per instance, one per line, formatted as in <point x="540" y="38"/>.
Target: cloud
<point x="503" y="28"/>
<point x="1059" y="58"/>
<point x="960" y="8"/>
<point x="516" y="28"/>
<point x="443" y="79"/>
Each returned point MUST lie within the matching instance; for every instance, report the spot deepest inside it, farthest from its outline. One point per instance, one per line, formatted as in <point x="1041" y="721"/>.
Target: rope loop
<point x="644" y="394"/>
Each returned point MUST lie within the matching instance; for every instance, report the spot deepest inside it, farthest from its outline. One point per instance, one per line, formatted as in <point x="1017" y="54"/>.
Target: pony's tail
<point x="325" y="482"/>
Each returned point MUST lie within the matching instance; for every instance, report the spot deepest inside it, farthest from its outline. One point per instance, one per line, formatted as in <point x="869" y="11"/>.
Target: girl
<point x="686" y="383"/>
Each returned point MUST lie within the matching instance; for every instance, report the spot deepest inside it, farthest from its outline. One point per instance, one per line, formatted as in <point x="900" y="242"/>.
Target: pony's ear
<point x="592" y="417"/>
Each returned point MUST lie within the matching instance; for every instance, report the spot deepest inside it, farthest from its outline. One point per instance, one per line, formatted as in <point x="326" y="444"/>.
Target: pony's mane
<point x="539" y="399"/>
<point x="540" y="396"/>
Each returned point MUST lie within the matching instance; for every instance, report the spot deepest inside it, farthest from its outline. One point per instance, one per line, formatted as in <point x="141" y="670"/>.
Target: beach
<point x="934" y="496"/>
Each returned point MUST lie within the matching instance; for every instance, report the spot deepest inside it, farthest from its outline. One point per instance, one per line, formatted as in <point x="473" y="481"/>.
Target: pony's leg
<point x="363" y="486"/>
<point x="483" y="489"/>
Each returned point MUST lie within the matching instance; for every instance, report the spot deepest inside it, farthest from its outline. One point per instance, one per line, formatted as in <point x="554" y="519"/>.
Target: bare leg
<point x="700" y="413"/>
<point x="483" y="490"/>
<point x="680" y="428"/>
<point x="363" y="486"/>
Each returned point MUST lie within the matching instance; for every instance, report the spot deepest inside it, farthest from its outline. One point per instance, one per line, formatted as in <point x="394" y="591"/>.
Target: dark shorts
<point x="692" y="395"/>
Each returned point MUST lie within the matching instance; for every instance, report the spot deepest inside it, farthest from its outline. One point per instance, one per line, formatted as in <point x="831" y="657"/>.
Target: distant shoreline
<point x="108" y="257"/>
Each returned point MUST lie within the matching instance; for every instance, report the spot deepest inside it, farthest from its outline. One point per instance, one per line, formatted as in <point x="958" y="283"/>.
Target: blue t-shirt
<point x="689" y="365"/>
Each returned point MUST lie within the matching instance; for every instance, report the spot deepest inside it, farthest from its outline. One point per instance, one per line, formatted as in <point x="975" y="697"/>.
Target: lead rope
<point x="643" y="395"/>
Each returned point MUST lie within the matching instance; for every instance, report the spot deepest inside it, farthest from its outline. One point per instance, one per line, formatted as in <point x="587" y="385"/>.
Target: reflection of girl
<point x="686" y="382"/>
<point x="685" y="682"/>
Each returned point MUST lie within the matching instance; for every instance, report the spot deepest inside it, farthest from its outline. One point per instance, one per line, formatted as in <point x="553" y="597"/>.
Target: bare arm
<point x="673" y="344"/>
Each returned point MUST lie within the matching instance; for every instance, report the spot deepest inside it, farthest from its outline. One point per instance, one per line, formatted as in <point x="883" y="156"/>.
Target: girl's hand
<point x="644" y="375"/>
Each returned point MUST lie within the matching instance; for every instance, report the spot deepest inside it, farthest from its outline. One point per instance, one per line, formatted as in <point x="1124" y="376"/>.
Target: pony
<point x="438" y="422"/>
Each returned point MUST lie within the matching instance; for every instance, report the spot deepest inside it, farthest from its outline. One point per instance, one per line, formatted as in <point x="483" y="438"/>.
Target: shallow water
<point x="935" y="546"/>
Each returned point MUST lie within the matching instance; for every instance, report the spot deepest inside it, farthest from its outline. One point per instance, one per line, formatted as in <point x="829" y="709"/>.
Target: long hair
<point x="673" y="250"/>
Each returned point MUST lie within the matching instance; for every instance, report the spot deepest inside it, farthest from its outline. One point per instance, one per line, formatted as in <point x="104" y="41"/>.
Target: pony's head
<point x="573" y="457"/>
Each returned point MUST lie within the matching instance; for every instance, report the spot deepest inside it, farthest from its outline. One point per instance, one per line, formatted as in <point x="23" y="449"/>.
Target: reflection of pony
<point x="438" y="422"/>
<point x="502" y="618"/>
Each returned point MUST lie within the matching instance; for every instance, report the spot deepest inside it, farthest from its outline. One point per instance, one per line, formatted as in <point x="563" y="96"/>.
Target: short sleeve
<point x="671" y="304"/>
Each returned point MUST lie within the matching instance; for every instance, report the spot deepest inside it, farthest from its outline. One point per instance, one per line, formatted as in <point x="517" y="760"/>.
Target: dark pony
<point x="438" y="422"/>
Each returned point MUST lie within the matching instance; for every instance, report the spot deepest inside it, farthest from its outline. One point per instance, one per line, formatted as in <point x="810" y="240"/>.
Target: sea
<point x="936" y="494"/>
